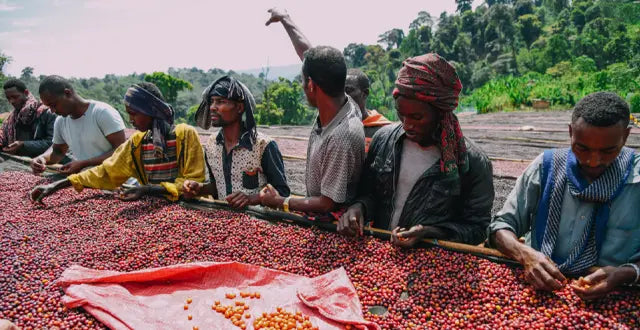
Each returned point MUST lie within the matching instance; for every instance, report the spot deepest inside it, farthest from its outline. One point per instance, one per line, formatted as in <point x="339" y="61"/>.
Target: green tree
<point x="168" y="85"/>
<point x="423" y="19"/>
<point x="523" y="7"/>
<point x="530" y="28"/>
<point x="463" y="5"/>
<point x="354" y="54"/>
<point x="391" y="38"/>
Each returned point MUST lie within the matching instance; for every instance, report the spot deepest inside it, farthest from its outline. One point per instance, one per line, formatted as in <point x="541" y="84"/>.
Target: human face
<point x="357" y="94"/>
<point x="16" y="97"/>
<point x="596" y="147"/>
<point x="138" y="120"/>
<point x="61" y="105"/>
<point x="419" y="120"/>
<point x="225" y="111"/>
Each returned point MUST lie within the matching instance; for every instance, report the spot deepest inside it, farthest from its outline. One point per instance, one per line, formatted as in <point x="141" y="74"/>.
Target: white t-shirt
<point x="414" y="161"/>
<point x="86" y="136"/>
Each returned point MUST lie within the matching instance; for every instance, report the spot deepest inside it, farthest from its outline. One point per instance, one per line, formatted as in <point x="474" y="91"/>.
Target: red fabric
<point x="375" y="119"/>
<point x="431" y="79"/>
<point x="154" y="298"/>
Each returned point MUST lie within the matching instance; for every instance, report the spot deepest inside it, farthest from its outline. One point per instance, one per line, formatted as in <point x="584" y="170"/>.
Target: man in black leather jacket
<point x="422" y="178"/>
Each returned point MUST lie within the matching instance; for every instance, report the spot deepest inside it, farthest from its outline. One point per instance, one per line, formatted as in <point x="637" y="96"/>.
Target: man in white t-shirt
<point x="92" y="130"/>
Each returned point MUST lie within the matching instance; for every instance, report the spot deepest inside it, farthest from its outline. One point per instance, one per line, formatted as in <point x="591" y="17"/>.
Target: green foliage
<point x="170" y="86"/>
<point x="282" y="104"/>
<point x="634" y="101"/>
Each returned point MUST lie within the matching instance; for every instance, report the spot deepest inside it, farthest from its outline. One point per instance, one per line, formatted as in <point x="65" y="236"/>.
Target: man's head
<point x="357" y="86"/>
<point x="226" y="103"/>
<point x="599" y="129"/>
<point x="57" y="93"/>
<point x="139" y="120"/>
<point x="323" y="73"/>
<point x="16" y="92"/>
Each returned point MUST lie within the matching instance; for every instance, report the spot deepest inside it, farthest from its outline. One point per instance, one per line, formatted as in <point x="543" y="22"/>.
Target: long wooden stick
<point x="277" y="215"/>
<point x="55" y="168"/>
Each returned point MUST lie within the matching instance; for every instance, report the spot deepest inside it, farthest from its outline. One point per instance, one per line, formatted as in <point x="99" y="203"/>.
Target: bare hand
<point x="72" y="167"/>
<point x="600" y="282"/>
<point x="238" y="200"/>
<point x="7" y="325"/>
<point x="277" y="15"/>
<point x="541" y="272"/>
<point x="351" y="223"/>
<point x="13" y="148"/>
<point x="270" y="197"/>
<point x="131" y="194"/>
<point x="407" y="238"/>
<point x="40" y="192"/>
<point x="191" y="189"/>
<point x="38" y="165"/>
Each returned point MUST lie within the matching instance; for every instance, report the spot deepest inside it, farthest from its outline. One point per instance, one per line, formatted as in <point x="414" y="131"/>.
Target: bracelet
<point x="285" y="204"/>
<point x="636" y="268"/>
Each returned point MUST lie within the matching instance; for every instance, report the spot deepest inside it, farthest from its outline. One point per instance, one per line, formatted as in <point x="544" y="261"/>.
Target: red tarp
<point x="155" y="298"/>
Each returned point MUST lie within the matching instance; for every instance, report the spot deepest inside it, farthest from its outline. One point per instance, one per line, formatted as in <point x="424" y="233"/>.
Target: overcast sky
<point x="85" y="38"/>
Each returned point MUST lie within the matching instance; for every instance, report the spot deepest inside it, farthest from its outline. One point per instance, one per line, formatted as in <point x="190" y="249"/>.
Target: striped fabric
<point x="156" y="169"/>
<point x="602" y="191"/>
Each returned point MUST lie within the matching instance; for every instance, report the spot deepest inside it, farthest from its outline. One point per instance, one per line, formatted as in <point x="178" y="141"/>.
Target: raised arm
<point x="299" y="41"/>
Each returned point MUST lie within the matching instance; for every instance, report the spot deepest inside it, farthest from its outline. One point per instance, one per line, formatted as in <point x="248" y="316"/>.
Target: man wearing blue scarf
<point x="577" y="207"/>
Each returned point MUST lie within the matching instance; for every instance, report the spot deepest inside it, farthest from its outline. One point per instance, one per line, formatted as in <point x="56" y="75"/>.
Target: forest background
<point x="508" y="54"/>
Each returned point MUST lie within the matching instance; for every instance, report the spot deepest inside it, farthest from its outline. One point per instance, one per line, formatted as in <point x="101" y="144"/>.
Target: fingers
<point x="554" y="272"/>
<point x="594" y="292"/>
<point x="542" y="280"/>
<point x="595" y="277"/>
<point x="238" y="200"/>
<point x="344" y="227"/>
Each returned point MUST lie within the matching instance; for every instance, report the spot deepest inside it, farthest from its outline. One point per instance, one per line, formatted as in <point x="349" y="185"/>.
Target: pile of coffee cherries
<point x="416" y="289"/>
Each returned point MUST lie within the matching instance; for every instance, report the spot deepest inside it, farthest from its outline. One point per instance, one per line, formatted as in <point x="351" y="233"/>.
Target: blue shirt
<point x="622" y="238"/>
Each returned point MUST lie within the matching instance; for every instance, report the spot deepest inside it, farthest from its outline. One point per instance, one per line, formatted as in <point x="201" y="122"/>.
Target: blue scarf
<point x="142" y="101"/>
<point x="559" y="167"/>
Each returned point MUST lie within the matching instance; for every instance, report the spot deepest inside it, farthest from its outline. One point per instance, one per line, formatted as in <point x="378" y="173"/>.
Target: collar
<point x="346" y="111"/>
<point x="245" y="140"/>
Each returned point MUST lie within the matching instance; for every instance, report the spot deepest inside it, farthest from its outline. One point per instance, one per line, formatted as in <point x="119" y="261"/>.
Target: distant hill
<point x="285" y="71"/>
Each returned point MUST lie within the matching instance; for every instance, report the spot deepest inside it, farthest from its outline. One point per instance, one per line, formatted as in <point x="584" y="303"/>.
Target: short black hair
<point x="151" y="88"/>
<point x="326" y="66"/>
<point x="17" y="83"/>
<point x="54" y="85"/>
<point x="602" y="109"/>
<point x="361" y="78"/>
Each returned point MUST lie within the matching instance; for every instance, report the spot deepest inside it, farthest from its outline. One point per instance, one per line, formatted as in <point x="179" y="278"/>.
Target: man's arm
<point x="299" y="41"/>
<point x="477" y="199"/>
<point x="273" y="168"/>
<point x="319" y="204"/>
<point x="37" y="147"/>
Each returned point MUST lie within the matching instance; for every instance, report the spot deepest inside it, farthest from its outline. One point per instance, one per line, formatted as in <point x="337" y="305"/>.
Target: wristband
<point x="636" y="268"/>
<point x="285" y="204"/>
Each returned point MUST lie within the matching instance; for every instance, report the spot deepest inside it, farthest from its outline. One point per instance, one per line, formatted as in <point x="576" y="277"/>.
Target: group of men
<point x="419" y="178"/>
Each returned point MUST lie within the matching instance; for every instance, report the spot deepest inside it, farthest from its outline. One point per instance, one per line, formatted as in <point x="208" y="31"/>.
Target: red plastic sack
<point x="155" y="298"/>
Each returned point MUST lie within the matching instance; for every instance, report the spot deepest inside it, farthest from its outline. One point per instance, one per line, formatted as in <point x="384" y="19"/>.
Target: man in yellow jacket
<point x="160" y="156"/>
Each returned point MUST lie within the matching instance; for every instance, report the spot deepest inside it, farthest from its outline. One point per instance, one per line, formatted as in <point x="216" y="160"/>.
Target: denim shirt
<point x="622" y="238"/>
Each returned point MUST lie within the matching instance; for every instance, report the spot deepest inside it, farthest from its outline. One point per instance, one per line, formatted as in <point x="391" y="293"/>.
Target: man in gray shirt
<point x="335" y="154"/>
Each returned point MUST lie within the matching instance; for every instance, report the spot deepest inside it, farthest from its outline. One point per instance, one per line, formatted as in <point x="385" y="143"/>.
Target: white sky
<point x="86" y="38"/>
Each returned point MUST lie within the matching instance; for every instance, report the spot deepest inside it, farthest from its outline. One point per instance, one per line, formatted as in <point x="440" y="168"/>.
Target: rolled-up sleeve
<point x="521" y="206"/>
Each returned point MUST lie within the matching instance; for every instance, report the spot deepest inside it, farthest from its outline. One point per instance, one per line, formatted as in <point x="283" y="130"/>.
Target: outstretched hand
<point x="277" y="15"/>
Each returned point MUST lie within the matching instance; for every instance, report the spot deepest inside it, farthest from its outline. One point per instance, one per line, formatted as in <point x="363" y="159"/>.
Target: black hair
<point x="13" y="82"/>
<point x="54" y="85"/>
<point x="361" y="78"/>
<point x="602" y="109"/>
<point x="151" y="88"/>
<point x="326" y="67"/>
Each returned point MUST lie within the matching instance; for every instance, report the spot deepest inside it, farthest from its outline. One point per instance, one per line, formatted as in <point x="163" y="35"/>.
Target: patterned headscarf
<point x="430" y="78"/>
<point x="232" y="89"/>
<point x="144" y="102"/>
<point x="31" y="110"/>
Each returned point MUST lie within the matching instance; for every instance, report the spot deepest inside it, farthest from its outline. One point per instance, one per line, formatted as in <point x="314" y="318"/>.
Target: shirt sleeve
<point x="57" y="131"/>
<point x="191" y="164"/>
<point x="273" y="168"/>
<point x="35" y="148"/>
<point x="521" y="206"/>
<point x="109" y="120"/>
<point x="342" y="166"/>
<point x="113" y="171"/>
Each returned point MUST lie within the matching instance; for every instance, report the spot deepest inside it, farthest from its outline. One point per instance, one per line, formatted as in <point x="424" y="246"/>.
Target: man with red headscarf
<point x="422" y="177"/>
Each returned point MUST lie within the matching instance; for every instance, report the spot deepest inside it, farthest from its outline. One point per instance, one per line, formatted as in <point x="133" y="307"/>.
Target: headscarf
<point x="430" y="78"/>
<point x="144" y="102"/>
<point x="31" y="110"/>
<point x="230" y="88"/>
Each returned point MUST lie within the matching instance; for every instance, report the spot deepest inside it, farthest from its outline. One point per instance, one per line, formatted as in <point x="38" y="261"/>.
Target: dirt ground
<point x="511" y="139"/>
